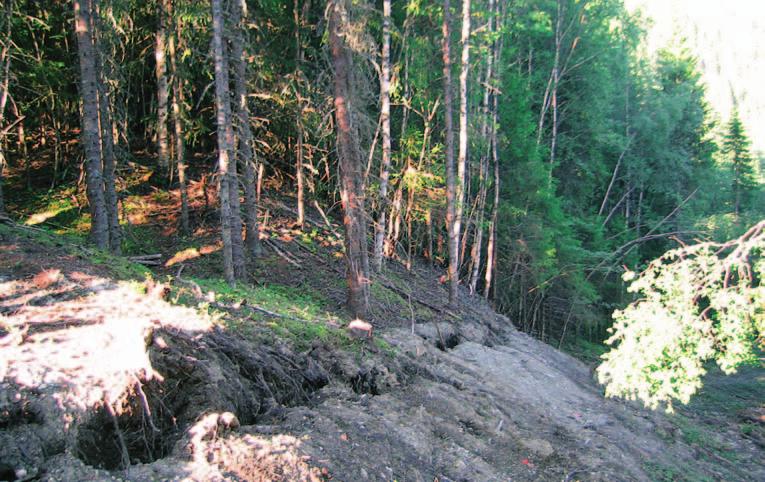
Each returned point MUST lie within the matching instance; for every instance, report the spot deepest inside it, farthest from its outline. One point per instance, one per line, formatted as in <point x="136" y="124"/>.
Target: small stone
<point x="540" y="448"/>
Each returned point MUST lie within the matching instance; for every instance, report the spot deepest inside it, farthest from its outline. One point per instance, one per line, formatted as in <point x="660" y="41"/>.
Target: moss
<point x="120" y="268"/>
<point x="387" y="296"/>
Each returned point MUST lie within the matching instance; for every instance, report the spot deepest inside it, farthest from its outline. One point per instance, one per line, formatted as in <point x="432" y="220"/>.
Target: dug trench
<point x="129" y="386"/>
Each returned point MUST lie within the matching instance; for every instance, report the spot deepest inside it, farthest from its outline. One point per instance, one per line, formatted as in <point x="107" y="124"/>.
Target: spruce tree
<point x="737" y="151"/>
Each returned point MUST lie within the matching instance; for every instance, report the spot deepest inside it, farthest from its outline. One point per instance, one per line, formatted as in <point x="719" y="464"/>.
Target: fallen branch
<point x="197" y="292"/>
<point x="406" y="294"/>
<point x="281" y="253"/>
<point x="147" y="259"/>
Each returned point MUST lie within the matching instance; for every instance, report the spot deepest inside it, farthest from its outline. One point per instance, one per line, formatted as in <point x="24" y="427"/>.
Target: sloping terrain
<point x="143" y="381"/>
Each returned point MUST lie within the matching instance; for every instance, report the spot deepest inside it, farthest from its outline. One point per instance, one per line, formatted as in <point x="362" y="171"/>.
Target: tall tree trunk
<point x="108" y="160"/>
<point x="462" y="159"/>
<point x="386" y="141"/>
<point x="109" y="166"/>
<point x="476" y="250"/>
<point x="99" y="229"/>
<point x="554" y="91"/>
<point x="225" y="137"/>
<point x="180" y="151"/>
<point x="451" y="181"/>
<point x="163" y="149"/>
<point x="237" y="243"/>
<point x="5" y="61"/>
<point x="350" y="166"/>
<point x="244" y="137"/>
<point x="491" y="246"/>
<point x="299" y="174"/>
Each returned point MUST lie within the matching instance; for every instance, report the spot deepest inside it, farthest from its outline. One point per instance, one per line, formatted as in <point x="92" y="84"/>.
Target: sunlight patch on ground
<point x="39" y="218"/>
<point x="192" y="253"/>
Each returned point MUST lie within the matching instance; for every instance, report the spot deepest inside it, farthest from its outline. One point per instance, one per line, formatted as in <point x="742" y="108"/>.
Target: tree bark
<point x="224" y="137"/>
<point x="244" y="132"/>
<point x="237" y="243"/>
<point x="451" y="181"/>
<point x="163" y="150"/>
<point x="476" y="250"/>
<point x="462" y="159"/>
<point x="491" y="245"/>
<point x="351" y="168"/>
<point x="180" y="151"/>
<point x="299" y="175"/>
<point x="109" y="167"/>
<point x="108" y="159"/>
<point x="99" y="229"/>
<point x="5" y="60"/>
<point x="386" y="141"/>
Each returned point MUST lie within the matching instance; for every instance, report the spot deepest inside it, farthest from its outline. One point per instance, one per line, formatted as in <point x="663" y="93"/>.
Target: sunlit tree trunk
<point x="299" y="174"/>
<point x="476" y="249"/>
<point x="225" y="136"/>
<point x="5" y="63"/>
<point x="163" y="150"/>
<point x="386" y="141"/>
<point x="237" y="243"/>
<point x="491" y="246"/>
<point x="462" y="158"/>
<point x="351" y="169"/>
<point x="243" y="130"/>
<point x="451" y="181"/>
<point x="180" y="151"/>
<point x="99" y="229"/>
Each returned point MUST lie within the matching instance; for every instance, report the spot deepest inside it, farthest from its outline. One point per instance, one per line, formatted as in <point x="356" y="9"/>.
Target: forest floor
<point x="109" y="370"/>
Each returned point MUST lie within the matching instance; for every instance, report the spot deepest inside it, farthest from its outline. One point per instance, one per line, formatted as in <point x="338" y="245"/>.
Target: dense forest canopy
<point x="529" y="147"/>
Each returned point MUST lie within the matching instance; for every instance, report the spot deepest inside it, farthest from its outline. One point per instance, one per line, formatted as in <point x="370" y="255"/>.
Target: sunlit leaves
<point x="697" y="303"/>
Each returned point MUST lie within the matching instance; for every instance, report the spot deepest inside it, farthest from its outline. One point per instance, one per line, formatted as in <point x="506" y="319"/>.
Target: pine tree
<point x="737" y="150"/>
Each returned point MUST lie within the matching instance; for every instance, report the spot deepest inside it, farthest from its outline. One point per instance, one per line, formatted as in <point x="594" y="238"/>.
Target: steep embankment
<point x="98" y="374"/>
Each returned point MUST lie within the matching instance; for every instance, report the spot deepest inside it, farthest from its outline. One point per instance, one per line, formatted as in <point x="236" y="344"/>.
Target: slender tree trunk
<point x="180" y="151"/>
<point x="109" y="166"/>
<point x="491" y="246"/>
<point x="451" y="181"/>
<point x="99" y="229"/>
<point x="554" y="95"/>
<point x="224" y="137"/>
<point x="462" y="159"/>
<point x="476" y="251"/>
<point x="299" y="118"/>
<point x="350" y="167"/>
<point x="163" y="149"/>
<point x="244" y="137"/>
<point x="386" y="141"/>
<point x="5" y="61"/>
<point x="259" y="187"/>
<point x="108" y="159"/>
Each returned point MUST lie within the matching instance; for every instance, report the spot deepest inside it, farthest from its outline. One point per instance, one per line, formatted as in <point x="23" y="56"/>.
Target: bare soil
<point x="99" y="380"/>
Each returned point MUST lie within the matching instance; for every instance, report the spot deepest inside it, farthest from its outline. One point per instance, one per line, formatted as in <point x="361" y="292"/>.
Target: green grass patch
<point x="585" y="350"/>
<point x="284" y="300"/>
<point x="120" y="268"/>
<point x="664" y="473"/>
<point x="387" y="296"/>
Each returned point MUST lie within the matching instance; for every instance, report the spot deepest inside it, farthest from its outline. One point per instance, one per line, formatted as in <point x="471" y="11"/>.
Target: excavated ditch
<point x="216" y="372"/>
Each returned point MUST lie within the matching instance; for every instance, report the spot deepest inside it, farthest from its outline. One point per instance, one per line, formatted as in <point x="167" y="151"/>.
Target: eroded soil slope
<point x="104" y="379"/>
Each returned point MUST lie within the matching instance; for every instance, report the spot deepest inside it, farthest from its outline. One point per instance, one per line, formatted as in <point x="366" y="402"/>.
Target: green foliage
<point x="696" y="303"/>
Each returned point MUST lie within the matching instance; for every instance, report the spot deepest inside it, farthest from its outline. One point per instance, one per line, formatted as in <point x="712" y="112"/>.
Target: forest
<point x="533" y="153"/>
<point x="573" y="152"/>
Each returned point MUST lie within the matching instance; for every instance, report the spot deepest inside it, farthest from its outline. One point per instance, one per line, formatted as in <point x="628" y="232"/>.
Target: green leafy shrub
<point x="696" y="303"/>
